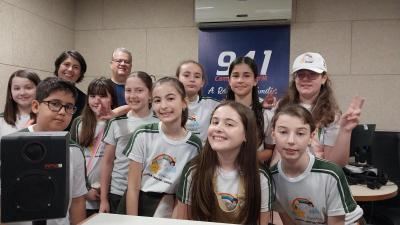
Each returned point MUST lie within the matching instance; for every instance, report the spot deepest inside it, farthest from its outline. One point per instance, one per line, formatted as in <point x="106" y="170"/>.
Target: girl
<point x="311" y="190"/>
<point x="21" y="91"/>
<point x="192" y="76"/>
<point x="71" y="66"/>
<point x="243" y="88"/>
<point x="114" y="169"/>
<point x="158" y="152"/>
<point x="87" y="130"/>
<point x="311" y="88"/>
<point x="225" y="183"/>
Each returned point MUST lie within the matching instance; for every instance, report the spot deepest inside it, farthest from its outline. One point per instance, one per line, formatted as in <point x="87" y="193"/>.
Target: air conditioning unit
<point x="226" y="13"/>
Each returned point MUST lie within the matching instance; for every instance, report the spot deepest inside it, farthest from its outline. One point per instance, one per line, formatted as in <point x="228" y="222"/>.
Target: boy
<point x="309" y="190"/>
<point x="54" y="106"/>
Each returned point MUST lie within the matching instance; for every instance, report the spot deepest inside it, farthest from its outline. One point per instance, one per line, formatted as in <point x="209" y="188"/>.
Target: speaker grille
<point x="35" y="192"/>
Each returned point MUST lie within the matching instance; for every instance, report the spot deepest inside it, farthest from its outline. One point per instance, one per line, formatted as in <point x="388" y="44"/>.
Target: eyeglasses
<point x="311" y="75"/>
<point x="120" y="61"/>
<point x="56" y="106"/>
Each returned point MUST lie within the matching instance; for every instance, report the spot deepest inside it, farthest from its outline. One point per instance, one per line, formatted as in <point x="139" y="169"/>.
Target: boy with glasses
<point x="54" y="106"/>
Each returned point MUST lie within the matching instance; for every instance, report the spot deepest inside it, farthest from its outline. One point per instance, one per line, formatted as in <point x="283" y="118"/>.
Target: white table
<point x="110" y="219"/>
<point x="362" y="193"/>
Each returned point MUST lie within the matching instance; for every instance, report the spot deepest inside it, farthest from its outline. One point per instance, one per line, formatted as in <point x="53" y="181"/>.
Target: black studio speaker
<point x="34" y="176"/>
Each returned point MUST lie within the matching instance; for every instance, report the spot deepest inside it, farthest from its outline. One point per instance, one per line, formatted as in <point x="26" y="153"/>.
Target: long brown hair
<point x="100" y="86"/>
<point x="324" y="108"/>
<point x="11" y="107"/>
<point x="255" y="101"/>
<point x="202" y="190"/>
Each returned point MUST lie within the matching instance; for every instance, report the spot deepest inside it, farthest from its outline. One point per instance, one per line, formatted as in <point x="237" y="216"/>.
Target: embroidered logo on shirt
<point x="304" y="210"/>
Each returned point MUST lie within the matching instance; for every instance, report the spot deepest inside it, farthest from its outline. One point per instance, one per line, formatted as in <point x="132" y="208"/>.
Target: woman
<point x="71" y="66"/>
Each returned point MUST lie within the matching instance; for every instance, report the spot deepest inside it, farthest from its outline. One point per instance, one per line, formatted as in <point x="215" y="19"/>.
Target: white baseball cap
<point x="310" y="61"/>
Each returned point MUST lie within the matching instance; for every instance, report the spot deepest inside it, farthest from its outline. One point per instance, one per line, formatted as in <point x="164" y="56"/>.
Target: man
<point x="121" y="66"/>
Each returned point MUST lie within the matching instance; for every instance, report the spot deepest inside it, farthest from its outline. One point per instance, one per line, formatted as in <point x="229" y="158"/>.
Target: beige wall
<point x="32" y="34"/>
<point x="360" y="40"/>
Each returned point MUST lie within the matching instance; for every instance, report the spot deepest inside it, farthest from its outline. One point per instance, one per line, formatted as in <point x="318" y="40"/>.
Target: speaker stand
<point x="39" y="222"/>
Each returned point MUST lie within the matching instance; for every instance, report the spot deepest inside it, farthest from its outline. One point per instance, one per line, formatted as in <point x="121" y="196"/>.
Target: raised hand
<point x="351" y="117"/>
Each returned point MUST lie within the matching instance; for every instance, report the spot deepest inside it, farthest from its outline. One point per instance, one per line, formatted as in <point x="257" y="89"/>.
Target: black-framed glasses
<point x="56" y="106"/>
<point x="120" y="61"/>
<point x="311" y="75"/>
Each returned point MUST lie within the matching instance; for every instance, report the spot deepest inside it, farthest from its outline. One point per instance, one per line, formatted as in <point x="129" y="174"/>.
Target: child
<point x="114" y="169"/>
<point x="311" y="87"/>
<point x="192" y="76"/>
<point x="21" y="90"/>
<point x="54" y="106"/>
<point x="243" y="88"/>
<point x="225" y="183"/>
<point x="158" y="152"/>
<point x="87" y="130"/>
<point x="310" y="190"/>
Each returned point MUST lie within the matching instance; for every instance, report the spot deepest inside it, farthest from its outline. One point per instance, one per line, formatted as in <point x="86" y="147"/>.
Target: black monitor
<point x="361" y="140"/>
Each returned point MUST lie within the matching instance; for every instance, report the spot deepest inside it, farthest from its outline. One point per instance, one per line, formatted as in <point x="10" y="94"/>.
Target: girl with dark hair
<point x="226" y="183"/>
<point x="311" y="87"/>
<point x="192" y="76"/>
<point x="21" y="91"/>
<point x="71" y="66"/>
<point x="87" y="130"/>
<point x="114" y="169"/>
<point x="242" y="88"/>
<point x="158" y="152"/>
<point x="311" y="190"/>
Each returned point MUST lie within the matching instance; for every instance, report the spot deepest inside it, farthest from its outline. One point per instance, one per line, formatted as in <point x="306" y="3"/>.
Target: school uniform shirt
<point x="77" y="185"/>
<point x="324" y="135"/>
<point x="93" y="154"/>
<point x="199" y="116"/>
<point x="20" y="123"/>
<point x="320" y="191"/>
<point x="229" y="191"/>
<point x="163" y="160"/>
<point x="117" y="133"/>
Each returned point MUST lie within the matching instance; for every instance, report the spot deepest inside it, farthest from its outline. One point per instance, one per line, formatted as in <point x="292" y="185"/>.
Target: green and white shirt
<point x="117" y="133"/>
<point x="320" y="191"/>
<point x="227" y="188"/>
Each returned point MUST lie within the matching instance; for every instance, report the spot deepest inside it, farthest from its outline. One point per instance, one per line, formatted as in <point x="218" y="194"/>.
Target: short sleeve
<point x="266" y="191"/>
<point x="109" y="134"/>
<point x="185" y="185"/>
<point x="78" y="172"/>
<point x="136" y="147"/>
<point x="330" y="134"/>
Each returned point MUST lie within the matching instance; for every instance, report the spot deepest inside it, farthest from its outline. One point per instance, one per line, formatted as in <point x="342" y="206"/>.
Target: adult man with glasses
<point x="121" y="66"/>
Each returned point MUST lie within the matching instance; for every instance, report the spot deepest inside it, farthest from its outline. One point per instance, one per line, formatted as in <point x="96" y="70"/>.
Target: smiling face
<point x="69" y="70"/>
<point x="121" y="66"/>
<point x="292" y="137"/>
<point x="242" y="80"/>
<point x="308" y="84"/>
<point x="168" y="103"/>
<point x="191" y="77"/>
<point x="97" y="102"/>
<point x="48" y="120"/>
<point x="23" y="91"/>
<point x="137" y="95"/>
<point x="226" y="132"/>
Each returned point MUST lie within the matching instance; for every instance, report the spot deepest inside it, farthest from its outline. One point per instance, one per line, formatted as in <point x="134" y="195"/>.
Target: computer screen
<point x="360" y="143"/>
